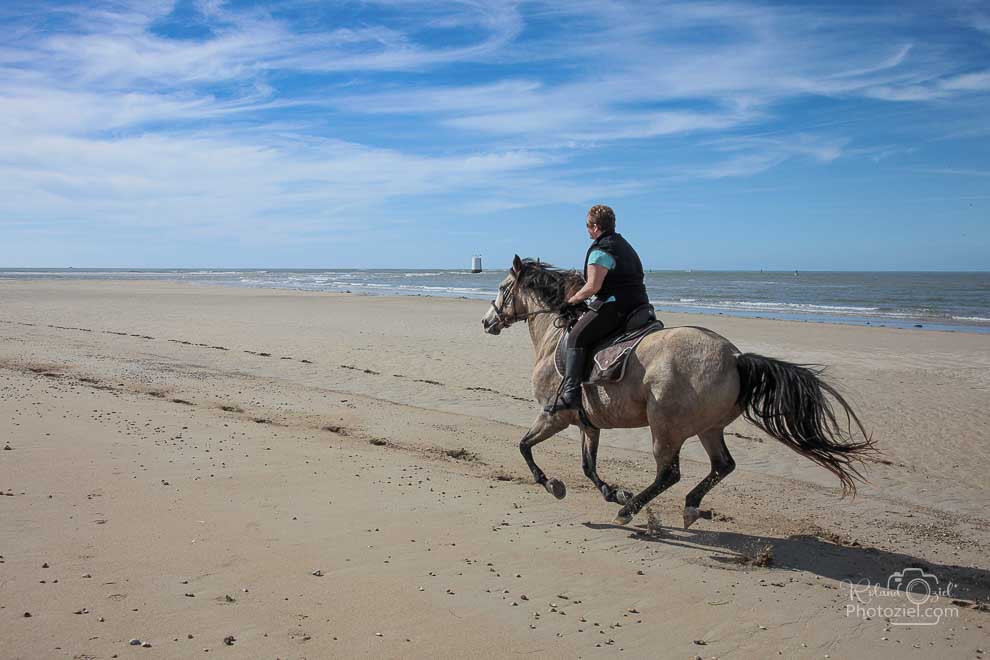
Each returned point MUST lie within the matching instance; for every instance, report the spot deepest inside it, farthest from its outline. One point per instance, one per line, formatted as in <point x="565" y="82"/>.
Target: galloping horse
<point x="681" y="382"/>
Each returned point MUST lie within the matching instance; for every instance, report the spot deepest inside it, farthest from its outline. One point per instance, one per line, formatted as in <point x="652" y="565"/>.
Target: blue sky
<point x="400" y="133"/>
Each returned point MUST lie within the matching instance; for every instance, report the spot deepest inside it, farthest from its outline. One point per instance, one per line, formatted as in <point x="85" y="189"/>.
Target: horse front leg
<point x="589" y="461"/>
<point x="544" y="427"/>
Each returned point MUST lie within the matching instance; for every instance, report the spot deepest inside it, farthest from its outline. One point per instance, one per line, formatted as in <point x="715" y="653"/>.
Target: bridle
<point x="509" y="299"/>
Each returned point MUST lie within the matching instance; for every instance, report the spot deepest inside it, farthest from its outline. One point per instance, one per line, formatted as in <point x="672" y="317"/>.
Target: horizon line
<point x="448" y="268"/>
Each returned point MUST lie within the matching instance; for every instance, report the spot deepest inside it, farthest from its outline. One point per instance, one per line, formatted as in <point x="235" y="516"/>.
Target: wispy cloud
<point x="643" y="65"/>
<point x="218" y="117"/>
<point x="952" y="171"/>
<point x="118" y="45"/>
<point x="751" y="155"/>
<point x="225" y="184"/>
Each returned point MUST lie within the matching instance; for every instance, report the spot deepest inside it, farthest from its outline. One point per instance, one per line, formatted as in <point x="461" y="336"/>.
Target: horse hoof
<point x="623" y="496"/>
<point x="691" y="514"/>
<point x="623" y="518"/>
<point x="556" y="488"/>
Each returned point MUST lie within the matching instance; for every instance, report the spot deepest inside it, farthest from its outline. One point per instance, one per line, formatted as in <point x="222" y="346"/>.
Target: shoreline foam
<point x="893" y="313"/>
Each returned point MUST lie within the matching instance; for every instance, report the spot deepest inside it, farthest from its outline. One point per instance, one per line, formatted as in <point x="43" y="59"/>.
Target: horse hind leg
<point x="713" y="440"/>
<point x="589" y="462"/>
<point x="666" y="451"/>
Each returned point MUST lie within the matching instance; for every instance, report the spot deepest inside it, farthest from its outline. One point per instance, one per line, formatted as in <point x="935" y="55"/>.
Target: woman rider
<point x="613" y="275"/>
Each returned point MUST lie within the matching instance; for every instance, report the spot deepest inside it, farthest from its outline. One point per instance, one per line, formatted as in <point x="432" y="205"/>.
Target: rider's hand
<point x="570" y="308"/>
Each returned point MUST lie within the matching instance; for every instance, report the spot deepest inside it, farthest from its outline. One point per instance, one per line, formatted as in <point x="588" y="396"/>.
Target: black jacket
<point x="626" y="280"/>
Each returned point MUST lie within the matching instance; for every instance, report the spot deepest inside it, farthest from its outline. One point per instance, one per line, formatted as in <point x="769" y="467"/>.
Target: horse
<point x="681" y="382"/>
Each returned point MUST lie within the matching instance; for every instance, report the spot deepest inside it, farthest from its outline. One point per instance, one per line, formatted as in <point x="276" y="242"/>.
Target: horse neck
<point x="539" y="325"/>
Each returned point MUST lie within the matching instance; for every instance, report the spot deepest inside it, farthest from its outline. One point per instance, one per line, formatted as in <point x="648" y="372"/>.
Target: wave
<point x="325" y="283"/>
<point x="807" y="306"/>
<point x="769" y="306"/>
<point x="903" y="317"/>
<point x="901" y="301"/>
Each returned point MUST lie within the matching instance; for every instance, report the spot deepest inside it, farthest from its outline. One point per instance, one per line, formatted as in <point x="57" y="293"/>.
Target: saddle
<point x="611" y="354"/>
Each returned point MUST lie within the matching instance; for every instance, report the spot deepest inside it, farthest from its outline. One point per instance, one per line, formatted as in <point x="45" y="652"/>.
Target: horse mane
<point x="551" y="285"/>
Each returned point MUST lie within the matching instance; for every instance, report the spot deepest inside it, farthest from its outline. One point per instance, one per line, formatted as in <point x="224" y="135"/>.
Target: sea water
<point x="943" y="300"/>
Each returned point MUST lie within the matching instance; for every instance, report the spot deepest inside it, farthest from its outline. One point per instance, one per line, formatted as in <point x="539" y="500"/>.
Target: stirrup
<point x="561" y="404"/>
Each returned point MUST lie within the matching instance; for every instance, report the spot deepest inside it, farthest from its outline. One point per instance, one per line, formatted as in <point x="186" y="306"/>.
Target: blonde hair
<point x="603" y="216"/>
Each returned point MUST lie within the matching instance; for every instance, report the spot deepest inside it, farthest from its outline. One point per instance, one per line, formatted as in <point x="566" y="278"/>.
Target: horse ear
<point x="516" y="264"/>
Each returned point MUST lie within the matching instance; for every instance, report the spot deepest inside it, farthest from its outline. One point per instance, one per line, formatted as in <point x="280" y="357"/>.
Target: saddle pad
<point x="609" y="362"/>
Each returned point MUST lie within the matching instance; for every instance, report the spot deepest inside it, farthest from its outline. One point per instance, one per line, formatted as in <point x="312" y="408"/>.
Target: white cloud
<point x="641" y="62"/>
<point x="224" y="183"/>
<point x="968" y="82"/>
<point x="115" y="45"/>
<point x="105" y="120"/>
<point x="953" y="171"/>
<point x="753" y="155"/>
<point x="937" y="89"/>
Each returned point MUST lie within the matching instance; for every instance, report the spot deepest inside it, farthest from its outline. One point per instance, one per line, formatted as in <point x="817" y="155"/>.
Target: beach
<point x="288" y="474"/>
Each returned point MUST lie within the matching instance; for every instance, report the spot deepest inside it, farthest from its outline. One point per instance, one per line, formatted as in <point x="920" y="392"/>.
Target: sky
<point x="399" y="133"/>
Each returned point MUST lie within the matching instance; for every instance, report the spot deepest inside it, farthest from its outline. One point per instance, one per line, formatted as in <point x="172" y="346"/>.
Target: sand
<point x="312" y="475"/>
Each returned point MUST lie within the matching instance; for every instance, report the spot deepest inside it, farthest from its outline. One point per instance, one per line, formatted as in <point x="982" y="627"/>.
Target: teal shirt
<point x="606" y="261"/>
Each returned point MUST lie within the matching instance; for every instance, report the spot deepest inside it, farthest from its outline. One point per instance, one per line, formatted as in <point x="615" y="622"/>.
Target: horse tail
<point x="788" y="401"/>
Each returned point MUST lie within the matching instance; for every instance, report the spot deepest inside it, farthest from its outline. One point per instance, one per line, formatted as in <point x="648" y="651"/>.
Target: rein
<point x="506" y="321"/>
<point x="509" y="298"/>
<point x="566" y="318"/>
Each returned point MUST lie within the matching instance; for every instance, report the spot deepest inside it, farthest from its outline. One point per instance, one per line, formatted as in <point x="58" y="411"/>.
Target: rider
<point x="613" y="274"/>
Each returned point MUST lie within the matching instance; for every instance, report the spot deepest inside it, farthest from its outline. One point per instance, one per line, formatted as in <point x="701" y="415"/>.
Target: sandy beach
<point x="279" y="474"/>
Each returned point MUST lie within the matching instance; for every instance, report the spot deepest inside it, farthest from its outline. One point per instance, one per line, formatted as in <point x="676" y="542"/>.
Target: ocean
<point x="940" y="301"/>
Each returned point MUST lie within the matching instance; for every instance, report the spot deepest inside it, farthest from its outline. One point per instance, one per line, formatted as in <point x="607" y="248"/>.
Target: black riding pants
<point x="595" y="324"/>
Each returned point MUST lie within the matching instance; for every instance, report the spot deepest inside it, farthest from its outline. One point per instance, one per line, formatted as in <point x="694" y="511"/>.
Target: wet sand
<point x="321" y="475"/>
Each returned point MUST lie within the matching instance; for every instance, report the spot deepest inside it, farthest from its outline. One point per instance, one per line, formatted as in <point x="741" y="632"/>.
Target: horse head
<point x="531" y="288"/>
<point x="507" y="306"/>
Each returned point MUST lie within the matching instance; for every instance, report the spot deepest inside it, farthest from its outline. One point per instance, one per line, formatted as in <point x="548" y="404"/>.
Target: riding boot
<point x="570" y="395"/>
